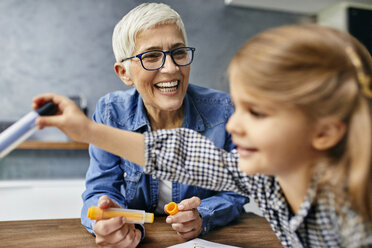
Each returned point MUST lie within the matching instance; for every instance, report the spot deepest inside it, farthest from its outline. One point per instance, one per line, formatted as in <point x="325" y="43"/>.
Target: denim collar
<point x="191" y="119"/>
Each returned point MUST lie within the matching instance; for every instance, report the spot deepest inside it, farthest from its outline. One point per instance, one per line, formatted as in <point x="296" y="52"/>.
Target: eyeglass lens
<point x="155" y="59"/>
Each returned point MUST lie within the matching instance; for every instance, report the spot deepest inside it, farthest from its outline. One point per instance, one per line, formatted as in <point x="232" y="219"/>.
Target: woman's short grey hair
<point x="143" y="17"/>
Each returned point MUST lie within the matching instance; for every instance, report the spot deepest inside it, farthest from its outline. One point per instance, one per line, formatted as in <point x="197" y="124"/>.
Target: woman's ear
<point x="122" y="73"/>
<point x="328" y="132"/>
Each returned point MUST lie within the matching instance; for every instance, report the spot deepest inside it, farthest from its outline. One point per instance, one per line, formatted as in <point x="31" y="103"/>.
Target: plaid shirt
<point x="184" y="156"/>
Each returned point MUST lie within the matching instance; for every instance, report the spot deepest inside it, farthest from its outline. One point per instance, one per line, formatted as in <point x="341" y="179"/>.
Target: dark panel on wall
<point x="360" y="25"/>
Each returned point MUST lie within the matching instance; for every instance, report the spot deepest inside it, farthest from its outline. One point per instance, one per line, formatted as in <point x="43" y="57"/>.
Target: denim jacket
<point x="205" y="111"/>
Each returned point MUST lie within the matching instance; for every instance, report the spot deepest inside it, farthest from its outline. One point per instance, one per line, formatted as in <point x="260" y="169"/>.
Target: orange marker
<point x="172" y="208"/>
<point x="131" y="215"/>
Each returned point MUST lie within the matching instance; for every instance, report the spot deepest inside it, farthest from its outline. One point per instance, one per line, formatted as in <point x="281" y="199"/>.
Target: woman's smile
<point x="168" y="88"/>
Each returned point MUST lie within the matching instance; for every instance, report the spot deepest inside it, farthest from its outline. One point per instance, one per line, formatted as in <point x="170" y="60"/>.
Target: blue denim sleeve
<point x="104" y="177"/>
<point x="221" y="209"/>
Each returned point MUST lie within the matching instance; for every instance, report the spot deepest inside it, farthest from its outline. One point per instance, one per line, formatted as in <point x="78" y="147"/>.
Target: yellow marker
<point x="172" y="208"/>
<point x="131" y="215"/>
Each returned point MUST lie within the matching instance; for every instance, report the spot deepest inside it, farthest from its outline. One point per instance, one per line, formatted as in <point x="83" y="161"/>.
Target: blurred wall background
<point x="65" y="47"/>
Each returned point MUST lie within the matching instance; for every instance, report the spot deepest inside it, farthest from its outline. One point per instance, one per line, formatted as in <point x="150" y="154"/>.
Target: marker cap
<point x="172" y="208"/>
<point x="47" y="109"/>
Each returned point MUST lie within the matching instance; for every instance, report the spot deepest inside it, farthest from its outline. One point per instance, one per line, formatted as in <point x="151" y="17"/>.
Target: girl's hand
<point x="187" y="222"/>
<point x="69" y="118"/>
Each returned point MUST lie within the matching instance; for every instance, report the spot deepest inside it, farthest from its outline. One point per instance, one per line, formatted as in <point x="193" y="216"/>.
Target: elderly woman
<point x="152" y="55"/>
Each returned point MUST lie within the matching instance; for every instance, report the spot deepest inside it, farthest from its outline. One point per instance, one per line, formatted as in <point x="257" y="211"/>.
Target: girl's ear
<point x="328" y="132"/>
<point x="122" y="73"/>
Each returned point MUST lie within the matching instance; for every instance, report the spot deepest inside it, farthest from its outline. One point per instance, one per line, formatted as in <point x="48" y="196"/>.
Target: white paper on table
<point x="201" y="243"/>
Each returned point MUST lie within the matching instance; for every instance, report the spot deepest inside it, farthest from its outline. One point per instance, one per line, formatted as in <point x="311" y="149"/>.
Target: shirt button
<point x="125" y="174"/>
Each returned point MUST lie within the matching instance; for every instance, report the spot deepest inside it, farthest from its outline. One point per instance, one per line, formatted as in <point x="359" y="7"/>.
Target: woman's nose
<point x="169" y="66"/>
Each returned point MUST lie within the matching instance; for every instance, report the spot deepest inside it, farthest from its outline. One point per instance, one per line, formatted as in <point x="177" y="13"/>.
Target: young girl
<point x="302" y="126"/>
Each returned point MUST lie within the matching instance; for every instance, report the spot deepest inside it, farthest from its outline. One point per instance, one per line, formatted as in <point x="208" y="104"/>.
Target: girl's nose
<point x="233" y="126"/>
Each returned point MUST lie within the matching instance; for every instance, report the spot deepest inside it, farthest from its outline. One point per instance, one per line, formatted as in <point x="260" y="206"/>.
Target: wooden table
<point x="249" y="231"/>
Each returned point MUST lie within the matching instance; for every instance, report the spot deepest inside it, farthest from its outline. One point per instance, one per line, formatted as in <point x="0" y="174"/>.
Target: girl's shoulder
<point x="353" y="230"/>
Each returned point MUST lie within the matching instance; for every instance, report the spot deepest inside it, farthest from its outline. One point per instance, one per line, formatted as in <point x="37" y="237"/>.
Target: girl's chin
<point x="248" y="168"/>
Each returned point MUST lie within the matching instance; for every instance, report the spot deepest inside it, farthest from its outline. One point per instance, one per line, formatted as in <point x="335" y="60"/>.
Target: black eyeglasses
<point x="154" y="60"/>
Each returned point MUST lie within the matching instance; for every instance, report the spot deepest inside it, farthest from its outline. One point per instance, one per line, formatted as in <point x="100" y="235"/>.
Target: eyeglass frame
<point x="192" y="49"/>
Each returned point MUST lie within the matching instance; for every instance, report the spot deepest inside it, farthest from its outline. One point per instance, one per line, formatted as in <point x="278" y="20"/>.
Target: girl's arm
<point x="122" y="143"/>
<point x="185" y="156"/>
<point x="181" y="155"/>
<point x="79" y="127"/>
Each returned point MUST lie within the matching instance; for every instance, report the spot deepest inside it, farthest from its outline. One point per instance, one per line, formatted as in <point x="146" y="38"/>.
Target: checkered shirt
<point x="185" y="156"/>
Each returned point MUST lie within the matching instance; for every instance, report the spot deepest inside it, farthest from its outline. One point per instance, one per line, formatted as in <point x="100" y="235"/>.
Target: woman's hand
<point x="187" y="222"/>
<point x="69" y="118"/>
<point x="115" y="232"/>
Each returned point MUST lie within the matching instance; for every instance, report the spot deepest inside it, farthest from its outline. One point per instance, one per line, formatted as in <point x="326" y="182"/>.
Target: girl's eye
<point x="257" y="114"/>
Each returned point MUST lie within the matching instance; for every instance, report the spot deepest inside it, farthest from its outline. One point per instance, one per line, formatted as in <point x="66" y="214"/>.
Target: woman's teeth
<point x="167" y="86"/>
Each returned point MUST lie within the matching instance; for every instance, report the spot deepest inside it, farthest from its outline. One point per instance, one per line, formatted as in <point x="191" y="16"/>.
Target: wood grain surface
<point x="249" y="231"/>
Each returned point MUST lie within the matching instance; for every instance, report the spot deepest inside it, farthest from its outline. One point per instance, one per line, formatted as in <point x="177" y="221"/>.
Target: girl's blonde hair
<point x="325" y="72"/>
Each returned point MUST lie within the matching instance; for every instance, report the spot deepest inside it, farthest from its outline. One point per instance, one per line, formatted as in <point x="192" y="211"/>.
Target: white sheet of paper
<point x="201" y="243"/>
